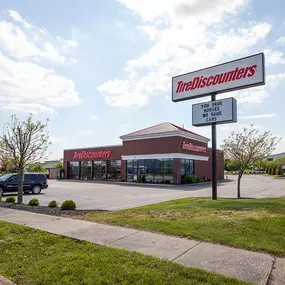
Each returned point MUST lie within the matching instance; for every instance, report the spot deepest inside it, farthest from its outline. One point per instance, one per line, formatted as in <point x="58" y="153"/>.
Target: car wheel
<point x="36" y="189"/>
<point x="1" y="191"/>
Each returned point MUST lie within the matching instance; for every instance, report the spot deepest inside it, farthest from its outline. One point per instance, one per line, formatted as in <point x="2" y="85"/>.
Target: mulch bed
<point x="45" y="209"/>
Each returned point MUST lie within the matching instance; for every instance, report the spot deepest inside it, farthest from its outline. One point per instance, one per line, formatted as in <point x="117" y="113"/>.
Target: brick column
<point x="176" y="171"/>
<point x="65" y="167"/>
<point x="123" y="170"/>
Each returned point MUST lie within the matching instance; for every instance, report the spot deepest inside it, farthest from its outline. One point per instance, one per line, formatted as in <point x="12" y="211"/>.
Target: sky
<point x="100" y="69"/>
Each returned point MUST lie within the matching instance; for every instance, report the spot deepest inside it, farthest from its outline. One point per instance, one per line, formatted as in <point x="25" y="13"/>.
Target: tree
<point x="26" y="143"/>
<point x="59" y="165"/>
<point x="37" y="167"/>
<point x="261" y="164"/>
<point x="247" y="147"/>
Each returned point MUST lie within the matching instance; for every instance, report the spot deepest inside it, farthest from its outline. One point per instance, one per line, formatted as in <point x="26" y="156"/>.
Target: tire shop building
<point x="163" y="153"/>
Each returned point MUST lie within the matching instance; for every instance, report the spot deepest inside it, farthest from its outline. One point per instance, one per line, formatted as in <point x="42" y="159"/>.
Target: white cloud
<point x="33" y="108"/>
<point x="257" y="95"/>
<point x="164" y="10"/>
<point x="25" y="85"/>
<point x="122" y="93"/>
<point x="69" y="43"/>
<point x="17" y="44"/>
<point x="23" y="41"/>
<point x="274" y="56"/>
<point x="281" y="40"/>
<point x="151" y="31"/>
<point x="166" y="58"/>
<point x="184" y="40"/>
<point x="260" y="116"/>
<point x="94" y="117"/>
<point x="18" y="18"/>
<point x="25" y="82"/>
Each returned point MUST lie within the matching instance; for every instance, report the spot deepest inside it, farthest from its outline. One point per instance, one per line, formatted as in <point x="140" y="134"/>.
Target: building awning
<point x="165" y="156"/>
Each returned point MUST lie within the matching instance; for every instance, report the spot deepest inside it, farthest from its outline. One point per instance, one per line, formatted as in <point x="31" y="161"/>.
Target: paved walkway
<point x="245" y="265"/>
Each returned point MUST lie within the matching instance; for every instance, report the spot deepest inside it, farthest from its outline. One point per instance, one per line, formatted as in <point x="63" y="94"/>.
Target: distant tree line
<point x="268" y="167"/>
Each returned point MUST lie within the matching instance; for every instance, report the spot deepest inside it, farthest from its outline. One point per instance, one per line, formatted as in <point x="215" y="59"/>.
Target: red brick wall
<point x="156" y="146"/>
<point x="160" y="145"/>
<point x="204" y="168"/>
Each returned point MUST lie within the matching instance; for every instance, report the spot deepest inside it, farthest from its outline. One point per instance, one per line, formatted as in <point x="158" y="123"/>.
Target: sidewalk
<point x="245" y="265"/>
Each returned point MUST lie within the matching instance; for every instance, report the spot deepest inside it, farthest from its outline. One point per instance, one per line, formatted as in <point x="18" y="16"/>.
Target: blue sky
<point x="100" y="69"/>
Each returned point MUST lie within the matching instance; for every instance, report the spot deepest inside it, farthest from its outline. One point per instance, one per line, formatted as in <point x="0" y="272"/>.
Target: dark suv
<point x="34" y="182"/>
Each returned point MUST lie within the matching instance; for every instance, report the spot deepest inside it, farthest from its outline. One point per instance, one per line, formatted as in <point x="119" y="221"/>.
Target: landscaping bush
<point x="68" y="205"/>
<point x="0" y="198"/>
<point x="34" y="202"/>
<point x="11" y="199"/>
<point x="53" y="204"/>
<point x="190" y="179"/>
<point x="273" y="170"/>
<point x="139" y="179"/>
<point x="278" y="171"/>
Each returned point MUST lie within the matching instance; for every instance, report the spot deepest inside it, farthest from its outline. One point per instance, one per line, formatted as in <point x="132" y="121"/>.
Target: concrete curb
<point x="4" y="281"/>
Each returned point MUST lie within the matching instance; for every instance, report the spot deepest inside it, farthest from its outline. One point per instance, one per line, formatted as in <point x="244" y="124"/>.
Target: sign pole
<point x="214" y="156"/>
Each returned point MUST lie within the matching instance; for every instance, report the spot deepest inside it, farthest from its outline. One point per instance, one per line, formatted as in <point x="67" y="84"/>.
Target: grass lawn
<point x="255" y="224"/>
<point x="30" y="257"/>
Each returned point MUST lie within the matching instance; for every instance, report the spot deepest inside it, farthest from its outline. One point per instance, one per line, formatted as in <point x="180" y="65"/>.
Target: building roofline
<point x="177" y="131"/>
<point x="89" y="147"/>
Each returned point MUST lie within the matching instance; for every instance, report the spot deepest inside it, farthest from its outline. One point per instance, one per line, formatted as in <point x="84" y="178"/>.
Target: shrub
<point x="273" y="169"/>
<point x="0" y="198"/>
<point x="34" y="202"/>
<point x="190" y="179"/>
<point x="139" y="179"/>
<point x="278" y="171"/>
<point x="53" y="204"/>
<point x="68" y="205"/>
<point x="11" y="199"/>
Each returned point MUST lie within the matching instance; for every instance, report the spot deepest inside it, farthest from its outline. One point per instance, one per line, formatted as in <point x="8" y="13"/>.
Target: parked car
<point x="33" y="182"/>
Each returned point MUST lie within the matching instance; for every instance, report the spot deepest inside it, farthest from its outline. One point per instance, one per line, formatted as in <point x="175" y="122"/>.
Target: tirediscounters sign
<point x="219" y="112"/>
<point x="238" y="74"/>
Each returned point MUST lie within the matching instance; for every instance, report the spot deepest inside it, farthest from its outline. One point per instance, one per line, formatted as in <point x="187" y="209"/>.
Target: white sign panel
<point x="220" y="112"/>
<point x="242" y="73"/>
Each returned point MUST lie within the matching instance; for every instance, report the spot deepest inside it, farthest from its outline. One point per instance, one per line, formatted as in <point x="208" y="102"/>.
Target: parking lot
<point x="122" y="196"/>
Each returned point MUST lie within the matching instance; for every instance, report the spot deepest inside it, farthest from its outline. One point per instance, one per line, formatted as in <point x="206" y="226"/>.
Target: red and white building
<point x="163" y="153"/>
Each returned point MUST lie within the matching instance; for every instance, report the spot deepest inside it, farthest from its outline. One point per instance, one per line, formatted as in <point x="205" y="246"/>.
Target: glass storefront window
<point x="73" y="170"/>
<point x="86" y="170"/>
<point x="158" y="170"/>
<point x="168" y="171"/>
<point x="99" y="172"/>
<point x="114" y="170"/>
<point x="150" y="170"/>
<point x="187" y="168"/>
<point x="135" y="170"/>
<point x="130" y="171"/>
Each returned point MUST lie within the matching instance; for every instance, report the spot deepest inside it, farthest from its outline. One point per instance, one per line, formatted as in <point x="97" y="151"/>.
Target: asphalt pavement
<point x="118" y="196"/>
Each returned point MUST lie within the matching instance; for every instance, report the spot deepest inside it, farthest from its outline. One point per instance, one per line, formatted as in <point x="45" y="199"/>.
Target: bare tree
<point x="247" y="147"/>
<point x="25" y="143"/>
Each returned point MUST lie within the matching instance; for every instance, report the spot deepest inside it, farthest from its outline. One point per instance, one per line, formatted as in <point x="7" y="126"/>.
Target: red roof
<point x="161" y="128"/>
<point x="185" y="130"/>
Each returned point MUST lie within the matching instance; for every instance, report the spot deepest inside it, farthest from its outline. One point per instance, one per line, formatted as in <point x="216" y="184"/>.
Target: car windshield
<point x="5" y="177"/>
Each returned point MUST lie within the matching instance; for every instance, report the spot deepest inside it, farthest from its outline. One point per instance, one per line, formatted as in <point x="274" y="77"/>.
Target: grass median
<point x="33" y="257"/>
<point x="255" y="224"/>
